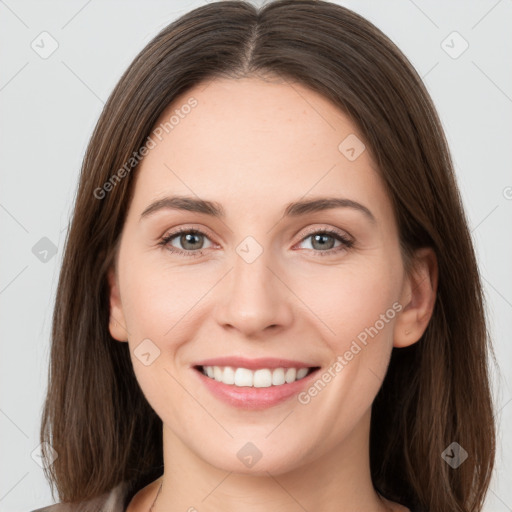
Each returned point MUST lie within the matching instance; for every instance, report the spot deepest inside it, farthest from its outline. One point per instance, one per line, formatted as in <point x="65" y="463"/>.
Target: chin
<point x="259" y="465"/>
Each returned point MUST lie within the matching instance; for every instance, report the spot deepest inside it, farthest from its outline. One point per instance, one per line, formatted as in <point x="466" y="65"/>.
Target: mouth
<point x="259" y="378"/>
<point x="254" y="389"/>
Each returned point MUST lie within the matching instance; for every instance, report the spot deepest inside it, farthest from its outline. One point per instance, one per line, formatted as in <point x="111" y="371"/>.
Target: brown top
<point x="115" y="500"/>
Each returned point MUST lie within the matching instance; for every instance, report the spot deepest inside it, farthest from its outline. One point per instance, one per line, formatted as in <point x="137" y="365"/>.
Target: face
<point x="320" y="288"/>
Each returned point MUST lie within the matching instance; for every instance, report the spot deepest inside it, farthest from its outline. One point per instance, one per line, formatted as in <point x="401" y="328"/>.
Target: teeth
<point x="228" y="376"/>
<point x="290" y="375"/>
<point x="262" y="378"/>
<point x="243" y="377"/>
<point x="278" y="377"/>
<point x="302" y="373"/>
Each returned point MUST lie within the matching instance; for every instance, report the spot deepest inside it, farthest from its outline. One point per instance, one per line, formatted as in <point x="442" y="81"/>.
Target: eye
<point x="323" y="241"/>
<point x="191" y="241"/>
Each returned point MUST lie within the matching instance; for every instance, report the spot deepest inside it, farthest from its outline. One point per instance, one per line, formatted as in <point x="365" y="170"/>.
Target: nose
<point x="254" y="297"/>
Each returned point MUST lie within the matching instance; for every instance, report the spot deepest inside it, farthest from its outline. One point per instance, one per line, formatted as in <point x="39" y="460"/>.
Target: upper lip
<point x="253" y="364"/>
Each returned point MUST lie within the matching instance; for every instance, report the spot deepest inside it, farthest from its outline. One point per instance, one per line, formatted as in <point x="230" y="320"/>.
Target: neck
<point x="338" y="480"/>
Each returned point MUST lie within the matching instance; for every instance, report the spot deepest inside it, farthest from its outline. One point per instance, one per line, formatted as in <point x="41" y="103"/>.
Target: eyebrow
<point x="295" y="209"/>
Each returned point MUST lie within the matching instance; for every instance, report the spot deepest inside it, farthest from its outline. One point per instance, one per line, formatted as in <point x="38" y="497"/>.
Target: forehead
<point x="257" y="140"/>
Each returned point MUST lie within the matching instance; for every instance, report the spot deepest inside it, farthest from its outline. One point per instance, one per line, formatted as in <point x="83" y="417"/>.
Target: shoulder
<point x="58" y="507"/>
<point x="110" y="501"/>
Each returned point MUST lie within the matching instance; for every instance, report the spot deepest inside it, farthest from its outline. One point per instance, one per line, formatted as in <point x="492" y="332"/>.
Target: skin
<point x="254" y="146"/>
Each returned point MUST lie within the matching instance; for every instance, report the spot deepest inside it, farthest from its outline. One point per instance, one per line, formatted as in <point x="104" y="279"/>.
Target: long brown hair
<point x="436" y="391"/>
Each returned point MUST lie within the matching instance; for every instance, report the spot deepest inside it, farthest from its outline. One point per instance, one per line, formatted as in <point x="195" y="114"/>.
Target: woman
<point x="269" y="297"/>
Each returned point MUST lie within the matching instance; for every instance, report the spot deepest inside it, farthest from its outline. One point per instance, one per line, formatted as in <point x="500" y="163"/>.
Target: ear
<point x="117" y="324"/>
<point x="418" y="298"/>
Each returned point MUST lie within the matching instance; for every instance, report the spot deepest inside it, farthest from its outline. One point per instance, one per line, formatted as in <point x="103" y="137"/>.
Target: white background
<point x="50" y="106"/>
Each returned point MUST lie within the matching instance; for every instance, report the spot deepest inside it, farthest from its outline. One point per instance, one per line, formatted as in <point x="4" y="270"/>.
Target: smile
<point x="255" y="389"/>
<point x="260" y="378"/>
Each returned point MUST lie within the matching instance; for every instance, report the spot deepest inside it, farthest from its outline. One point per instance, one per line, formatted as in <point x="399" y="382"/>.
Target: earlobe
<point x="418" y="298"/>
<point x="117" y="324"/>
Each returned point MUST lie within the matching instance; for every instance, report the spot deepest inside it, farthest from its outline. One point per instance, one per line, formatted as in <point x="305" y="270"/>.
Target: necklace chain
<point x="154" y="501"/>
<point x="160" y="488"/>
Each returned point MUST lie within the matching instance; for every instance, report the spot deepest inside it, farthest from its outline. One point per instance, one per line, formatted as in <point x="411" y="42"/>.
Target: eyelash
<point x="346" y="243"/>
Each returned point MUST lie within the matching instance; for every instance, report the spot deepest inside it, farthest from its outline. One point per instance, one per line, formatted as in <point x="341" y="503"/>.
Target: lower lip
<point x="246" y="397"/>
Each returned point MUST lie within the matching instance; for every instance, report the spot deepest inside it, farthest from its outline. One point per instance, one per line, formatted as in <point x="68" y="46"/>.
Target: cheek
<point x="158" y="304"/>
<point x="355" y="310"/>
<point x="158" y="298"/>
<point x="352" y="302"/>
